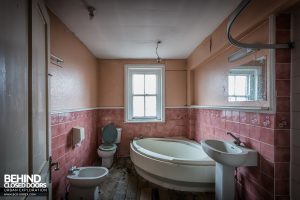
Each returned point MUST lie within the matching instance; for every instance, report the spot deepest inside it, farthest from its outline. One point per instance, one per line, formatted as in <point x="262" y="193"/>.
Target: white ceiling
<point x="130" y="28"/>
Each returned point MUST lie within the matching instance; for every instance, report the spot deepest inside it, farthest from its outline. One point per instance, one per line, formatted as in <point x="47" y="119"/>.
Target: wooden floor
<point x="124" y="183"/>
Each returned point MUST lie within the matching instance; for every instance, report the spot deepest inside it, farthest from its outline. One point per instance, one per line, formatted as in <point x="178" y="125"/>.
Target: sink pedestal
<point x="225" y="187"/>
<point x="227" y="156"/>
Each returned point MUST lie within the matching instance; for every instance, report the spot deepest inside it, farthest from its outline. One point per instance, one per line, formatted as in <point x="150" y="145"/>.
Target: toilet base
<point x="79" y="193"/>
<point x="107" y="162"/>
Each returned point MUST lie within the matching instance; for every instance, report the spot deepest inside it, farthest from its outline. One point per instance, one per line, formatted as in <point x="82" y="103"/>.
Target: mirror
<point x="248" y="82"/>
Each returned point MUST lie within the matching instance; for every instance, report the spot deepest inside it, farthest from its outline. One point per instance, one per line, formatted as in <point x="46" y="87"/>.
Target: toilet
<point x="110" y="137"/>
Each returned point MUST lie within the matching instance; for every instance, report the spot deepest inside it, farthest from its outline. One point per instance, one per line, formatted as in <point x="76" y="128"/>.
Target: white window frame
<point x="157" y="69"/>
<point x="252" y="80"/>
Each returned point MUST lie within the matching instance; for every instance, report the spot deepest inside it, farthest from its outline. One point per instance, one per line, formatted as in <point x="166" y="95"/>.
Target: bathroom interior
<point x="152" y="99"/>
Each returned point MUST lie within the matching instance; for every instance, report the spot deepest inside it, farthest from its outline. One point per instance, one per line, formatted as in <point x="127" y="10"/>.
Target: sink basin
<point x="227" y="156"/>
<point x="88" y="176"/>
<point x="228" y="153"/>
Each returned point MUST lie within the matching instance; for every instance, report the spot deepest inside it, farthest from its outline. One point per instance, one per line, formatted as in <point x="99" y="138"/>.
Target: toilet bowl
<point x="107" y="155"/>
<point x="110" y="136"/>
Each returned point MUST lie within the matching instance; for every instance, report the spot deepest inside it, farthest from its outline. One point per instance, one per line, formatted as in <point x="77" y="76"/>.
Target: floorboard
<point x="123" y="183"/>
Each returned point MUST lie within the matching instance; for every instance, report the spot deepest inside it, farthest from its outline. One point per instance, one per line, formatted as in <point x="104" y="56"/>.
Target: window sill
<point x="145" y="121"/>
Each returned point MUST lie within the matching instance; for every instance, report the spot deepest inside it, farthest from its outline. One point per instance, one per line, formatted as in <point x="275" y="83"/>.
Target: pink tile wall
<point x="86" y="154"/>
<point x="175" y="125"/>
<point x="295" y="96"/>
<point x="256" y="131"/>
<point x="282" y="128"/>
<point x="64" y="152"/>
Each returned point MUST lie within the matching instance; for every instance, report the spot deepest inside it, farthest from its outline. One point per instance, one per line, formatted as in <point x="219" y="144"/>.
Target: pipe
<point x="257" y="46"/>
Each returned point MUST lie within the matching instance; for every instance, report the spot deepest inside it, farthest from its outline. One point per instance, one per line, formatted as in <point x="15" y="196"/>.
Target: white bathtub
<point x="173" y="163"/>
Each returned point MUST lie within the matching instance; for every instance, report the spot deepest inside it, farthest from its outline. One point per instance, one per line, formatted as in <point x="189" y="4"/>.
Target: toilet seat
<point x="109" y="134"/>
<point x="107" y="147"/>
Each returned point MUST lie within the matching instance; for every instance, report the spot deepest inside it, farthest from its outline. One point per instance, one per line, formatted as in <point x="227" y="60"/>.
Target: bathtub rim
<point x="196" y="162"/>
<point x="170" y="175"/>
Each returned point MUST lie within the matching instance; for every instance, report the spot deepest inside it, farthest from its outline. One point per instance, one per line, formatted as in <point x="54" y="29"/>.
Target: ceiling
<point x="131" y="28"/>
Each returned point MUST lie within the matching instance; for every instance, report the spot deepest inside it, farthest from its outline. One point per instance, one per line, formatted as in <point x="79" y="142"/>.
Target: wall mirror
<point x="248" y="82"/>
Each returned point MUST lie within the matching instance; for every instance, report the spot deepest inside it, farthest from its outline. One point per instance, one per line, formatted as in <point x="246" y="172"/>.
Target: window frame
<point x="157" y="69"/>
<point x="252" y="79"/>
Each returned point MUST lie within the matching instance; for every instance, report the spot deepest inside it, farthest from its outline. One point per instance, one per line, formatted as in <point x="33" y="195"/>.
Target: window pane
<point x="151" y="106"/>
<point x="150" y="84"/>
<point x="231" y="99"/>
<point x="241" y="99"/>
<point x="241" y="85"/>
<point x="138" y="106"/>
<point x="230" y="85"/>
<point x="138" y="83"/>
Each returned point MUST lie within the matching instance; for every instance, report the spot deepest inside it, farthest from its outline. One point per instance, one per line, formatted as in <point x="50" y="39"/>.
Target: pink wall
<point x="269" y="134"/>
<point x="74" y="84"/>
<point x="295" y="99"/>
<point x="86" y="154"/>
<point x="257" y="131"/>
<point x="64" y="152"/>
<point x="174" y="126"/>
<point x="256" y="12"/>
<point x="111" y="92"/>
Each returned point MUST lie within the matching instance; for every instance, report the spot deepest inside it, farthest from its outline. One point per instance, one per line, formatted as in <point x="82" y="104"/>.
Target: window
<point x="144" y="93"/>
<point x="241" y="84"/>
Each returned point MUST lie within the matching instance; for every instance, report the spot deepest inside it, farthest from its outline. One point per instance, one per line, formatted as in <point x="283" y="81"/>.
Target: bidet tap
<point x="72" y="170"/>
<point x="237" y="140"/>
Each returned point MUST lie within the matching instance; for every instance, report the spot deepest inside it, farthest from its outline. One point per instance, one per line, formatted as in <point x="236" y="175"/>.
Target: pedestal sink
<point x="227" y="156"/>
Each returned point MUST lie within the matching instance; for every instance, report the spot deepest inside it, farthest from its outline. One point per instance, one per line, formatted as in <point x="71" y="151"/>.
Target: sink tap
<point x="72" y="170"/>
<point x="237" y="140"/>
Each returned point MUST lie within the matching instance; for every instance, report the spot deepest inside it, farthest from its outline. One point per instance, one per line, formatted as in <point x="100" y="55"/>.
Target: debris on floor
<point x="123" y="183"/>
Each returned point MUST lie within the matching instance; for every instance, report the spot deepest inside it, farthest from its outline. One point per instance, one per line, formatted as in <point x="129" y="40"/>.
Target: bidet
<point x="85" y="182"/>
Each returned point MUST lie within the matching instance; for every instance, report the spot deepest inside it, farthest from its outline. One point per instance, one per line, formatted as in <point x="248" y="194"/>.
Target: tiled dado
<point x="257" y="131"/>
<point x="175" y="125"/>
<point x="64" y="152"/>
